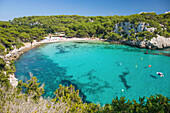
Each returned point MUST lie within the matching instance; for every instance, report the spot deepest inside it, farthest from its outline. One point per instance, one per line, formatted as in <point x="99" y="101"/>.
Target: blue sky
<point x="10" y="9"/>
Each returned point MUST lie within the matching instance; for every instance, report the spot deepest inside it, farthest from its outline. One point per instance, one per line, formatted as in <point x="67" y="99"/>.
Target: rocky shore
<point x="156" y="43"/>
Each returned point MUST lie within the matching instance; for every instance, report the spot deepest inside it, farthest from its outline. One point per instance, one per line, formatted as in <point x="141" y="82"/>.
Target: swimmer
<point x="146" y="52"/>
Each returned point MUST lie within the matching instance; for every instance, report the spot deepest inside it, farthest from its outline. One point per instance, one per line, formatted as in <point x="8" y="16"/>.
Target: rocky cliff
<point x="158" y="42"/>
<point x="126" y="27"/>
<point x="155" y="43"/>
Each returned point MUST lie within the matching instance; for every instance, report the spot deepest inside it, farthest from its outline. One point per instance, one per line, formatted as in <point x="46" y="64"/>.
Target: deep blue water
<point x="99" y="70"/>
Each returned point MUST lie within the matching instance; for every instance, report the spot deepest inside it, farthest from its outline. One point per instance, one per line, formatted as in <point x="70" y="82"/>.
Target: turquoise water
<point x="99" y="70"/>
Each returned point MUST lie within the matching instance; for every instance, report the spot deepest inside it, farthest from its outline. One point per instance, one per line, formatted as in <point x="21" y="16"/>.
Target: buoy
<point x="141" y="58"/>
<point x="122" y="90"/>
<point x="149" y="66"/>
<point x="136" y="66"/>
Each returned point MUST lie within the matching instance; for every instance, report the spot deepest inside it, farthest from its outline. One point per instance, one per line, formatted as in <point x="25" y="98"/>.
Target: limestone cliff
<point x="158" y="42"/>
<point x="127" y="26"/>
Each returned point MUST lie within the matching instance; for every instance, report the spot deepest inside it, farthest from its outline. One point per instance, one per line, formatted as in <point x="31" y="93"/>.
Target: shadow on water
<point x="65" y="49"/>
<point x="153" y="76"/>
<point x="94" y="84"/>
<point x="159" y="52"/>
<point x="46" y="72"/>
<point x="135" y="49"/>
<point x="90" y="42"/>
<point x="61" y="49"/>
<point x="82" y="42"/>
<point x="123" y="80"/>
<point x="52" y="75"/>
<point x="166" y="54"/>
<point x="123" y="48"/>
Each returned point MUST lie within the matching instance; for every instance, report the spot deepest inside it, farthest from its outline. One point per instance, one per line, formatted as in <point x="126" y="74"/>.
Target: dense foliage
<point x="27" y="98"/>
<point x="26" y="29"/>
<point x="94" y="26"/>
<point x="13" y="36"/>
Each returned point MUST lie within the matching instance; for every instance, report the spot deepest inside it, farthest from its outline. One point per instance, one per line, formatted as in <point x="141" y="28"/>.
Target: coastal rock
<point x="152" y="29"/>
<point x="142" y="44"/>
<point x="156" y="43"/>
<point x="160" y="42"/>
<point x="127" y="26"/>
<point x="148" y="45"/>
<point x="13" y="80"/>
<point x="140" y="27"/>
<point x="132" y="43"/>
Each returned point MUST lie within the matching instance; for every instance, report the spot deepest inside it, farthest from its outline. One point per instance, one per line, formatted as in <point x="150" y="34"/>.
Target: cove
<point x="100" y="70"/>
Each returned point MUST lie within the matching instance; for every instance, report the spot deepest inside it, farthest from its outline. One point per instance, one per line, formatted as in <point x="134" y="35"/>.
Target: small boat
<point x="160" y="74"/>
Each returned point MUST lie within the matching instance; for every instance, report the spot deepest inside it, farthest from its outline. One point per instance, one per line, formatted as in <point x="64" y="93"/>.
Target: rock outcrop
<point x="126" y="27"/>
<point x="13" y="55"/>
<point x="160" y="42"/>
<point x="156" y="43"/>
<point x="13" y="80"/>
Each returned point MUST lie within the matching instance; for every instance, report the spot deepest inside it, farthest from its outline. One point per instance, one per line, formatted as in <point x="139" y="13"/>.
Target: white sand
<point x="11" y="54"/>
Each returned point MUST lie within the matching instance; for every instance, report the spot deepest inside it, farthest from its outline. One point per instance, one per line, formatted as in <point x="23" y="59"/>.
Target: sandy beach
<point x="29" y="46"/>
<point x="48" y="40"/>
<point x="14" y="54"/>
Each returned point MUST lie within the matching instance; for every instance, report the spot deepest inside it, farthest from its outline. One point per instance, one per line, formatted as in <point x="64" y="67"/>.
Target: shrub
<point x="2" y="48"/>
<point x="2" y="63"/>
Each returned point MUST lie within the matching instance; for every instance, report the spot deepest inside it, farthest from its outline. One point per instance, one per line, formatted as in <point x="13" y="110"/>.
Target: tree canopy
<point x="25" y="29"/>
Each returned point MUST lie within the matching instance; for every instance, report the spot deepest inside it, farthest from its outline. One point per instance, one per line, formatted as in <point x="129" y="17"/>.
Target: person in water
<point x="146" y="52"/>
<point x="160" y="74"/>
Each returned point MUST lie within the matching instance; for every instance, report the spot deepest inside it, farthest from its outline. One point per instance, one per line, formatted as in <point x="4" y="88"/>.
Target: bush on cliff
<point x="2" y="48"/>
<point x="2" y="63"/>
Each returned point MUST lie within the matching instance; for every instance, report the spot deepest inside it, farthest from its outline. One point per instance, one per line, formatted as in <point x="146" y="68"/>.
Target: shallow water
<point x="99" y="70"/>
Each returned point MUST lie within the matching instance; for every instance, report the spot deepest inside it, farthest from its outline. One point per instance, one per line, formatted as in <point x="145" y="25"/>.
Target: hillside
<point x="27" y="97"/>
<point x="134" y="27"/>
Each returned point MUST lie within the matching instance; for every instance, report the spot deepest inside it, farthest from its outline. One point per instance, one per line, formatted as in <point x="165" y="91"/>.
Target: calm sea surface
<point x="99" y="70"/>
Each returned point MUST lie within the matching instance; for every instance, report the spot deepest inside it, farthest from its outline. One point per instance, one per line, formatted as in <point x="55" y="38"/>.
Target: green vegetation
<point x="27" y="97"/>
<point x="2" y="63"/>
<point x="14" y="35"/>
<point x="26" y="29"/>
<point x="92" y="26"/>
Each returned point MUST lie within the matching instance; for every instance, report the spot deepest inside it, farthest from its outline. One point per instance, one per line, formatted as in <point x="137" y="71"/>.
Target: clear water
<point x="99" y="70"/>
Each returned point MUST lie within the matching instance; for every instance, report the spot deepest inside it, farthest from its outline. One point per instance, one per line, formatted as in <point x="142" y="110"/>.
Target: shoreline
<point x="15" y="54"/>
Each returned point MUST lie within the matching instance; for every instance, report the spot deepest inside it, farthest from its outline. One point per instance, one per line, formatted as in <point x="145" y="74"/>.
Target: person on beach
<point x="31" y="42"/>
<point x="49" y="37"/>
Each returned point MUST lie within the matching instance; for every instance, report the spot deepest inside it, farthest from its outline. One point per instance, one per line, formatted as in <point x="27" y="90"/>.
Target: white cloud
<point x="167" y="12"/>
